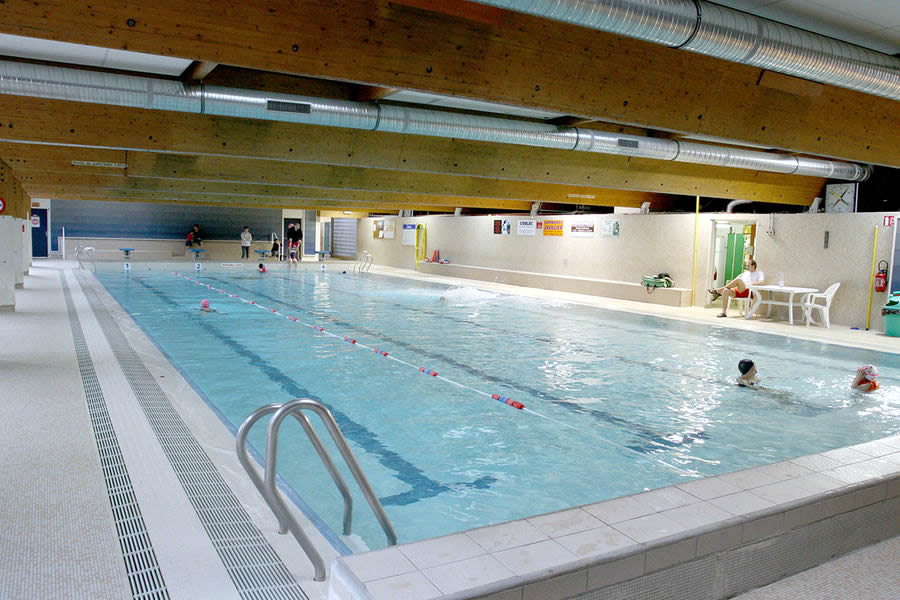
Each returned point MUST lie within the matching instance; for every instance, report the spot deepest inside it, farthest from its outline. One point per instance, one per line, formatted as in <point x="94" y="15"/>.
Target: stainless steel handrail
<point x="87" y="251"/>
<point x="267" y="487"/>
<point x="363" y="262"/>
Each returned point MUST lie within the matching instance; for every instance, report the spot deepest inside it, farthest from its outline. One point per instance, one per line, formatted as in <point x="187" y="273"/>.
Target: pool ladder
<point x="266" y="484"/>
<point x="363" y="262"/>
<point x="82" y="252"/>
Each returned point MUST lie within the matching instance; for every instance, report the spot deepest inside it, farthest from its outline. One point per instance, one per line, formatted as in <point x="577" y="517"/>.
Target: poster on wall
<point x="610" y="229"/>
<point x="388" y="229"/>
<point x="502" y="226"/>
<point x="582" y="229"/>
<point x="526" y="227"/>
<point x="379" y="228"/>
<point x="408" y="237"/>
<point x="553" y="227"/>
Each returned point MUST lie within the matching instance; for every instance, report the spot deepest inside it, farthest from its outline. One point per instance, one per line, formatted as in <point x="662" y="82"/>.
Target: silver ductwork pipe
<point x="43" y="81"/>
<point x="729" y="34"/>
<point x="733" y="203"/>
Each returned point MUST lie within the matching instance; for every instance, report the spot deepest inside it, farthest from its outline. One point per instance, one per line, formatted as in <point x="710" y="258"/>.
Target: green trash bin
<point x="891" y="313"/>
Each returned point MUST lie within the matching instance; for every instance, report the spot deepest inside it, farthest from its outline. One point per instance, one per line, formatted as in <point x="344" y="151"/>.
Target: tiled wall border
<point x="707" y="538"/>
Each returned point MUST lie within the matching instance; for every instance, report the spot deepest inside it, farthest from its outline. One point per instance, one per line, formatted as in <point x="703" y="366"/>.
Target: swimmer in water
<point x="748" y="376"/>
<point x="204" y="306"/>
<point x="866" y="379"/>
<point x="262" y="268"/>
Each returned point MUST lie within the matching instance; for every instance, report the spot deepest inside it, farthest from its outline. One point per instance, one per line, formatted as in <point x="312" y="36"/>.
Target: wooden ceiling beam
<point x="525" y="61"/>
<point x="197" y="71"/>
<point x="39" y="122"/>
<point x="52" y="185"/>
<point x="258" y="203"/>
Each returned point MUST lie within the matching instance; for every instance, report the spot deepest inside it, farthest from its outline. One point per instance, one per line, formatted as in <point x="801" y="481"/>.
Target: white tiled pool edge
<point x="714" y="533"/>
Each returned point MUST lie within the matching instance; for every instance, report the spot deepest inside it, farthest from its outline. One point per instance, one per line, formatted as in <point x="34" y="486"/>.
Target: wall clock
<point x="841" y="197"/>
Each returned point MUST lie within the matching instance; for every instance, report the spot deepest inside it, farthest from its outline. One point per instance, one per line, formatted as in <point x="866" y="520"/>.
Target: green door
<point x="734" y="256"/>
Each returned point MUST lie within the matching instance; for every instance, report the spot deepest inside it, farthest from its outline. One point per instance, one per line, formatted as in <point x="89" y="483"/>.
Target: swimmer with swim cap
<point x="204" y="306"/>
<point x="748" y="376"/>
<point x="866" y="379"/>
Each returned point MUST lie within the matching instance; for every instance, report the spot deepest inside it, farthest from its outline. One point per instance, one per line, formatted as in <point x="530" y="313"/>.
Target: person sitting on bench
<point x="739" y="287"/>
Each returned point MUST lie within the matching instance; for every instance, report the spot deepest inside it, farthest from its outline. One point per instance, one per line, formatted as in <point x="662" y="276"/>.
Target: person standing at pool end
<point x="748" y="376"/>
<point x="246" y="238"/>
<point x="294" y="237"/>
<point x="866" y="379"/>
<point x="739" y="287"/>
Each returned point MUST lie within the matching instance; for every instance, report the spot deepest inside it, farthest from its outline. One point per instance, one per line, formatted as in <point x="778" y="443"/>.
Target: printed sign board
<point x="35" y="221"/>
<point x="2" y="206"/>
<point x="553" y="227"/>
<point x="582" y="229"/>
<point x="888" y="220"/>
<point x="610" y="229"/>
<point x="409" y="234"/>
<point x="502" y="226"/>
<point x="526" y="227"/>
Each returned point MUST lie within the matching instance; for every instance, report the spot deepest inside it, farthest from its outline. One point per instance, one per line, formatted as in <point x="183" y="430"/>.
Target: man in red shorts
<point x="739" y="286"/>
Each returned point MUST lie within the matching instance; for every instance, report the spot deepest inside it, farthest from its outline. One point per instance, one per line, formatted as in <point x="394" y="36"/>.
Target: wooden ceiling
<point x="364" y="50"/>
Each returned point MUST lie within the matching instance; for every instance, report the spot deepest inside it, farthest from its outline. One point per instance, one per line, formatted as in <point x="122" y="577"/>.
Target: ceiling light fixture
<point x="587" y="196"/>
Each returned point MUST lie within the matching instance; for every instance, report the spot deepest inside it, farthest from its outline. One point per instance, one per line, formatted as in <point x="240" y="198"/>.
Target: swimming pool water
<point x="616" y="402"/>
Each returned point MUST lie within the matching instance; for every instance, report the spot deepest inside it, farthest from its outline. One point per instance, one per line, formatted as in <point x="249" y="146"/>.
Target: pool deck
<point x="60" y="538"/>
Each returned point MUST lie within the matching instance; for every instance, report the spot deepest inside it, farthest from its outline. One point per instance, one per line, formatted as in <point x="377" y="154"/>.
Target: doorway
<point x="733" y="245"/>
<point x="40" y="248"/>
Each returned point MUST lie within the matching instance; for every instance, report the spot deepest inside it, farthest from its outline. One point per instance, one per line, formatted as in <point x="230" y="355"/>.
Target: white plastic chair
<point x="743" y="303"/>
<point x="809" y="303"/>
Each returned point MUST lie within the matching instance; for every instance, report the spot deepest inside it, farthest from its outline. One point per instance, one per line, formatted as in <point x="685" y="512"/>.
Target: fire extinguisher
<point x="881" y="277"/>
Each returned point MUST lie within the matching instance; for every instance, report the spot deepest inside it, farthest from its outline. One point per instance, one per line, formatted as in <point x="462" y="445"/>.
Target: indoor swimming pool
<point x="615" y="403"/>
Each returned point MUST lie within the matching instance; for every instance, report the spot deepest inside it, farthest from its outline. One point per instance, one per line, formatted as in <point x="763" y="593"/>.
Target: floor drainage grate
<point x="255" y="568"/>
<point x="144" y="575"/>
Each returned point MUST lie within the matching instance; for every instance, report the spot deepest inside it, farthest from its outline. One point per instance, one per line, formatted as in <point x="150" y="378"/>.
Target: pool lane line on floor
<point x="430" y="372"/>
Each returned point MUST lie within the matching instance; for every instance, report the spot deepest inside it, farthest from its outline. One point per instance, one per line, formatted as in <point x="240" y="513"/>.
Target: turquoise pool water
<point x="615" y="402"/>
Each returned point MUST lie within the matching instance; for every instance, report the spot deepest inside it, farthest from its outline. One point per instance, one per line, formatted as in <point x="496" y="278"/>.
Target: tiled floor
<point x="57" y="538"/>
<point x="871" y="573"/>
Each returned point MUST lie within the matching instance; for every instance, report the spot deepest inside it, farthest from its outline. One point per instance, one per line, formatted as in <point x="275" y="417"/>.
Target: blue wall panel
<point x="83" y="218"/>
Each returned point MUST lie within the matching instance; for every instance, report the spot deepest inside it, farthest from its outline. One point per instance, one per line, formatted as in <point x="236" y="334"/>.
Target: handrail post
<point x="267" y="485"/>
<point x="244" y="458"/>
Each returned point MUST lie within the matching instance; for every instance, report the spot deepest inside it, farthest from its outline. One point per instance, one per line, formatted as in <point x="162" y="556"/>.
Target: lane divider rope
<point x="502" y="399"/>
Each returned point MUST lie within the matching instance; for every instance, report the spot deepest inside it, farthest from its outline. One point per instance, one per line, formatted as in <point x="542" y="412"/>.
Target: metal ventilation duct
<point x="728" y="34"/>
<point x="59" y="83"/>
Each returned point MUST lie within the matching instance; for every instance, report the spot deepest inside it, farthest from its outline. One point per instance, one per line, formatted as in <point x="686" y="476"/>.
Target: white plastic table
<point x="789" y="290"/>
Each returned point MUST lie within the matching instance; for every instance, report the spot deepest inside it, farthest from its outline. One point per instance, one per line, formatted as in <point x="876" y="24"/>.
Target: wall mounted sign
<point x="888" y="220"/>
<point x="553" y="227"/>
<point x="502" y="226"/>
<point x="35" y="221"/>
<point x="526" y="227"/>
<point x="2" y="206"/>
<point x="582" y="229"/>
<point x="409" y="234"/>
<point x="610" y="229"/>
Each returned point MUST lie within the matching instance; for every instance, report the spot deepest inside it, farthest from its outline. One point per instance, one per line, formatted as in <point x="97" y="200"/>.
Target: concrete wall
<point x="649" y="244"/>
<point x="797" y="249"/>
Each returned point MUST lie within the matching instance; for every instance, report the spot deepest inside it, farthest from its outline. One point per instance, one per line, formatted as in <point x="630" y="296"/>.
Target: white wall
<point x="649" y="244"/>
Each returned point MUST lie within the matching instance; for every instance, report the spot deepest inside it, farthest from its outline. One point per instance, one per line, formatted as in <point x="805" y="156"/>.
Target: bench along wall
<point x="647" y="245"/>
